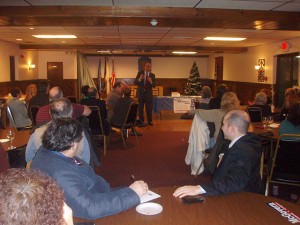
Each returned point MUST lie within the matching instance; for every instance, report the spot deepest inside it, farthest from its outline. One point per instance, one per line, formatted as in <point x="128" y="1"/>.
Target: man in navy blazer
<point x="239" y="168"/>
<point x="145" y="80"/>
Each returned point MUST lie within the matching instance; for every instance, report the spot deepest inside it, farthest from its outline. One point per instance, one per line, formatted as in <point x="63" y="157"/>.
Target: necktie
<point x="145" y="81"/>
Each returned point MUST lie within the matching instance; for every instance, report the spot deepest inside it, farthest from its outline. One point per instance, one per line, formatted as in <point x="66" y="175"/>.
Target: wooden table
<point x="258" y="129"/>
<point x="233" y="209"/>
<point x="20" y="140"/>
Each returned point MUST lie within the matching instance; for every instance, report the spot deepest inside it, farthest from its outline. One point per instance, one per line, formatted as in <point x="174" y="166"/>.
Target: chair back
<point x="95" y="121"/>
<point x="33" y="110"/>
<point x="131" y="115"/>
<point x="11" y="117"/>
<point x="255" y="114"/>
<point x="285" y="165"/>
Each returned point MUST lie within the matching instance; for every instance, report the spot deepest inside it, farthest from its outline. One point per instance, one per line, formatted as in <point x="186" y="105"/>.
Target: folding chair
<point x="12" y="121"/>
<point x="129" y="123"/>
<point x="254" y="113"/>
<point x="285" y="167"/>
<point x="33" y="110"/>
<point x="95" y="123"/>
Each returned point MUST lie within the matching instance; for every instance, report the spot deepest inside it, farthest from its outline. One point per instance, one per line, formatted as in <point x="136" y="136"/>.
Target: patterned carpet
<point x="158" y="159"/>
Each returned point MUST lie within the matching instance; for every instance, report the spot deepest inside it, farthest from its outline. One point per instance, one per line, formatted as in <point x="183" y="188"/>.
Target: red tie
<point x="145" y="81"/>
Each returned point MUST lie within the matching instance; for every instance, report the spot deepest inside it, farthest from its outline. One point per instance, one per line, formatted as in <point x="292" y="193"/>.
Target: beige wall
<point x="67" y="57"/>
<point x="240" y="67"/>
<point x="6" y="50"/>
<point x="162" y="67"/>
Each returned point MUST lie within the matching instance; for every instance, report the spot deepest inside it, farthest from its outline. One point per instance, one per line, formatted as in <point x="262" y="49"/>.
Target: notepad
<point x="150" y="195"/>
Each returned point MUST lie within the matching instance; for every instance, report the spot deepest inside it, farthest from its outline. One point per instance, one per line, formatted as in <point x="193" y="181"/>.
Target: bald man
<point x="43" y="115"/>
<point x="238" y="169"/>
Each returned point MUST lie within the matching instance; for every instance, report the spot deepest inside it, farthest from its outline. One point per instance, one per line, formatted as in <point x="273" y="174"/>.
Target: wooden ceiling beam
<point x="137" y="48"/>
<point x="141" y="16"/>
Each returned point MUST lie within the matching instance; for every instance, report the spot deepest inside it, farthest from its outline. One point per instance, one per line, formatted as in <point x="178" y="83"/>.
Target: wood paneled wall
<point x="245" y="91"/>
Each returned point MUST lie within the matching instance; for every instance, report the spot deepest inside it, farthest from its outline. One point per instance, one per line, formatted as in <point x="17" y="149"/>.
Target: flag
<point x="99" y="76"/>
<point x="104" y="88"/>
<point x="113" y="76"/>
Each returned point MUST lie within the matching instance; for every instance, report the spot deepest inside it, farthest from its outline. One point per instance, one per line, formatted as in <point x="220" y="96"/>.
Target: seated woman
<point x="31" y="197"/>
<point x="31" y="91"/>
<point x="206" y="95"/>
<point x="261" y="102"/>
<point x="229" y="102"/>
<point x="292" y="123"/>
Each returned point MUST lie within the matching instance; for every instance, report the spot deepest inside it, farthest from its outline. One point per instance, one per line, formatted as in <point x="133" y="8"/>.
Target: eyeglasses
<point x="77" y="162"/>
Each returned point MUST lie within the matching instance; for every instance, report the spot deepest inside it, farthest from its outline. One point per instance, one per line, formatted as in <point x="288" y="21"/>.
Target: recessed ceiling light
<point x="184" y="53"/>
<point x="103" y="51"/>
<point x="31" y="28"/>
<point x="54" y="36"/>
<point x="19" y="39"/>
<point x="224" y="39"/>
<point x="63" y="42"/>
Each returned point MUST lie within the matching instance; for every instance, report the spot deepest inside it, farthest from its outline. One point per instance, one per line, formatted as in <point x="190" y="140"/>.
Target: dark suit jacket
<point x="215" y="103"/>
<point x="140" y="84"/>
<point x="239" y="168"/>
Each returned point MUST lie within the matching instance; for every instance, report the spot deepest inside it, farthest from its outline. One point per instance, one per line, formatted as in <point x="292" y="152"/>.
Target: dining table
<point x="20" y="140"/>
<point x="232" y="209"/>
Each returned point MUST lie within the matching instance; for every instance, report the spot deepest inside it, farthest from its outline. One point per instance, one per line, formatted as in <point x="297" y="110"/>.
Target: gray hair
<point x="206" y="92"/>
<point x="61" y="107"/>
<point x="260" y="98"/>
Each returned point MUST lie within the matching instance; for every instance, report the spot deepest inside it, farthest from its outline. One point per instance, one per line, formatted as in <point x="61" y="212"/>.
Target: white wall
<point x="240" y="67"/>
<point x="6" y="50"/>
<point x="67" y="57"/>
<point x="162" y="67"/>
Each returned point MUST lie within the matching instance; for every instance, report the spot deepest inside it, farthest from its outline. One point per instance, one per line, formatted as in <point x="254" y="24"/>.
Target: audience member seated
<point x="30" y="197"/>
<point x="41" y="98"/>
<point x="58" y="108"/>
<point x="205" y="98"/>
<point x="229" y="102"/>
<point x="88" y="194"/>
<point x="18" y="109"/>
<point x="93" y="100"/>
<point x="84" y="92"/>
<point x="43" y="115"/>
<point x="215" y="103"/>
<point x="292" y="95"/>
<point x="4" y="164"/>
<point x="268" y="94"/>
<point x="239" y="168"/>
<point x="112" y="99"/>
<point x="121" y="109"/>
<point x="292" y="123"/>
<point x="31" y="91"/>
<point x="261" y="102"/>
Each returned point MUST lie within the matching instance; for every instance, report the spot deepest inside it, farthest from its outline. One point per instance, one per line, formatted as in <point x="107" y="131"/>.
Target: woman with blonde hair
<point x="31" y="91"/>
<point x="229" y="102"/>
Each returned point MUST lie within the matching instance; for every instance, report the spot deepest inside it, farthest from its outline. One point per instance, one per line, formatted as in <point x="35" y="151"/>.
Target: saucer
<point x="149" y="208"/>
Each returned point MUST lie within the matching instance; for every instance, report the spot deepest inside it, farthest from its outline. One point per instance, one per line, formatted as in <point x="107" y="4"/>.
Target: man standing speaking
<point x="145" y="80"/>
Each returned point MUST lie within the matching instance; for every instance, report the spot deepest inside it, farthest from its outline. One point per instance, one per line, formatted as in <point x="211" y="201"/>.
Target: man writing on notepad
<point x="239" y="168"/>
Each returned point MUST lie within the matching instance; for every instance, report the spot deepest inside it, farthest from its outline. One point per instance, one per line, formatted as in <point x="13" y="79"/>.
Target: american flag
<point x="113" y="76"/>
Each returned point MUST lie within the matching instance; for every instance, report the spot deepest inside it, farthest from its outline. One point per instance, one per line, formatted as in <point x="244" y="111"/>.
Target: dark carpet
<point x="158" y="159"/>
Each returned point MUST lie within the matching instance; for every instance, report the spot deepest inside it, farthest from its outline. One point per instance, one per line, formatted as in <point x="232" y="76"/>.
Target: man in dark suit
<point x="215" y="103"/>
<point x="239" y="167"/>
<point x="145" y="80"/>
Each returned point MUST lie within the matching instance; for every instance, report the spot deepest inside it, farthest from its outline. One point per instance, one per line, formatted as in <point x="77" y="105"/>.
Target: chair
<point x="254" y="113"/>
<point x="95" y="123"/>
<point x="33" y="110"/>
<point x="12" y="121"/>
<point x="129" y="123"/>
<point x="285" y="167"/>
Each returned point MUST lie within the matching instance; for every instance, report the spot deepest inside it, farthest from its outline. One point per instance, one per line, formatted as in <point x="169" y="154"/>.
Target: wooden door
<point x="218" y="73"/>
<point x="55" y="74"/>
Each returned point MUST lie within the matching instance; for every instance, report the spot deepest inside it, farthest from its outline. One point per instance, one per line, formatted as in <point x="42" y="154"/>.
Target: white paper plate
<point x="4" y="140"/>
<point x="149" y="208"/>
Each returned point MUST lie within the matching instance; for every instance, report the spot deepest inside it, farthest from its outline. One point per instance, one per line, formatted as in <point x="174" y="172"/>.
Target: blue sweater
<point x="88" y="194"/>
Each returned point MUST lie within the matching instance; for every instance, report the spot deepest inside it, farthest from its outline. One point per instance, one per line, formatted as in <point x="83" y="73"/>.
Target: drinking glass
<point x="10" y="135"/>
<point x="264" y="121"/>
<point x="270" y="121"/>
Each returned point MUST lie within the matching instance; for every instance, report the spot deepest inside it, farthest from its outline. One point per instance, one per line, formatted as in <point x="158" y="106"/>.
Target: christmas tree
<point x="193" y="86"/>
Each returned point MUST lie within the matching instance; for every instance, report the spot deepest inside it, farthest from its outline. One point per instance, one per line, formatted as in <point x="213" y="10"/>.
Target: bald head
<point x="238" y="118"/>
<point x="55" y="93"/>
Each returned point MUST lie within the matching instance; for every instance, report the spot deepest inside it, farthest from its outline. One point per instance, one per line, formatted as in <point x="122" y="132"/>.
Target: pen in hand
<point x="132" y="178"/>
